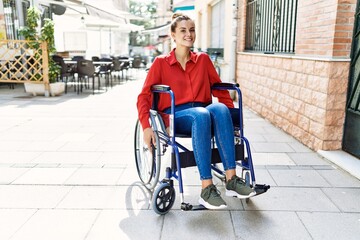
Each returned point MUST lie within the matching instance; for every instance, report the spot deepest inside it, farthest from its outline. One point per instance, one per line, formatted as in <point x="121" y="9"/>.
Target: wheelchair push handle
<point x="223" y="85"/>
<point x="160" y="88"/>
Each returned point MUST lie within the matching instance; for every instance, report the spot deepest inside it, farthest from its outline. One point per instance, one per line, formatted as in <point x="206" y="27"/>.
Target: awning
<point x="98" y="23"/>
<point x="104" y="9"/>
<point x="158" y="29"/>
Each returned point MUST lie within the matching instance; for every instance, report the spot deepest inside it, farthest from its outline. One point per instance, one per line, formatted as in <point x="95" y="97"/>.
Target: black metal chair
<point x="95" y="58"/>
<point x="105" y="70"/>
<point x="86" y="70"/>
<point x="117" y="67"/>
<point x="125" y="66"/>
<point x="66" y="70"/>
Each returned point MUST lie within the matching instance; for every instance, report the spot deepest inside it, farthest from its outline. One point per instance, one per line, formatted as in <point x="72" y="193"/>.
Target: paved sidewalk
<point x="67" y="172"/>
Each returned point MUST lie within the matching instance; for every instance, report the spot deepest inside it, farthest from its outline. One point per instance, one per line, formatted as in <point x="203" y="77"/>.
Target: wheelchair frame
<point x="164" y="195"/>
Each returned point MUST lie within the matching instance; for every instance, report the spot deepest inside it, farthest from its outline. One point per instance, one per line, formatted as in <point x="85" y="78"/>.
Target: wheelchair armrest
<point x="160" y="88"/>
<point x="223" y="85"/>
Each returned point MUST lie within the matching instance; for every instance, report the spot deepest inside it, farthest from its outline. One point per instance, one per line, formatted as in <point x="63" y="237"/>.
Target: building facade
<point x="216" y="32"/>
<point x="81" y="27"/>
<point x="297" y="65"/>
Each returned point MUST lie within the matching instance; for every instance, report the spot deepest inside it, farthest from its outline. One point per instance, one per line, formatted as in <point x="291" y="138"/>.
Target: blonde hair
<point x="177" y="17"/>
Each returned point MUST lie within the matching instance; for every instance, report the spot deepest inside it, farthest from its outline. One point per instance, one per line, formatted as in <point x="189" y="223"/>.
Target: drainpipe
<point x="232" y="65"/>
<point x="233" y="42"/>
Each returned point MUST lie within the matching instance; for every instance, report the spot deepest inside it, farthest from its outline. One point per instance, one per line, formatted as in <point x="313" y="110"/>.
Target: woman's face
<point x="184" y="34"/>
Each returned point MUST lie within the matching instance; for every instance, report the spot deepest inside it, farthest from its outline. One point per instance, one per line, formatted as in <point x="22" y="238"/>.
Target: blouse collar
<point x="171" y="58"/>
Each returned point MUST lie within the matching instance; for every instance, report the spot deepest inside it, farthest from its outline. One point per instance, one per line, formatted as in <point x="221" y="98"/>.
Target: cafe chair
<point x="105" y="70"/>
<point x="117" y="67"/>
<point x="66" y="70"/>
<point x="86" y="70"/>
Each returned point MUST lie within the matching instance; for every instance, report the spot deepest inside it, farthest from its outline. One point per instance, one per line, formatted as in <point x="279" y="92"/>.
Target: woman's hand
<point x="149" y="138"/>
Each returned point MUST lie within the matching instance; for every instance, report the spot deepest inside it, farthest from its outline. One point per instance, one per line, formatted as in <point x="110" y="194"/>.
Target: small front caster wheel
<point x="163" y="198"/>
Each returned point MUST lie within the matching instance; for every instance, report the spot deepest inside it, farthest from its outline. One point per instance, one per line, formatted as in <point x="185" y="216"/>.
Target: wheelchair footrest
<point x="189" y="207"/>
<point x="261" y="188"/>
<point x="186" y="206"/>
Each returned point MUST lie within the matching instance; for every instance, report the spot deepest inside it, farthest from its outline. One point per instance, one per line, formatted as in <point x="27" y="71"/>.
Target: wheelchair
<point x="148" y="162"/>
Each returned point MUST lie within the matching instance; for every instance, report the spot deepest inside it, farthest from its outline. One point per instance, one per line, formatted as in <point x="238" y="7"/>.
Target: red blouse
<point x="190" y="85"/>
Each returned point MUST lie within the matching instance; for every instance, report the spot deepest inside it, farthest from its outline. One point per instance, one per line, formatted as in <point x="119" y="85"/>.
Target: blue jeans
<point x="201" y="122"/>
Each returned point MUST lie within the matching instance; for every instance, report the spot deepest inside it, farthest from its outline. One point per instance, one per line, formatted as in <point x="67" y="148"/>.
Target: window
<point x="217" y="25"/>
<point x="11" y="19"/>
<point x="45" y="13"/>
<point x="270" y="25"/>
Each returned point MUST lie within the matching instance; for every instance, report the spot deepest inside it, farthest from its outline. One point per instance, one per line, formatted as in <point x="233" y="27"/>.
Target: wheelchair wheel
<point x="147" y="162"/>
<point x="163" y="198"/>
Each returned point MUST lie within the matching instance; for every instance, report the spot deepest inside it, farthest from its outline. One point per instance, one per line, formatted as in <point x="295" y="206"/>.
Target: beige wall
<point x="203" y="30"/>
<point x="304" y="94"/>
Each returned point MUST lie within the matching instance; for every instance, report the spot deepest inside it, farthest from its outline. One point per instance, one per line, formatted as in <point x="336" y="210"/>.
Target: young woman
<point x="190" y="76"/>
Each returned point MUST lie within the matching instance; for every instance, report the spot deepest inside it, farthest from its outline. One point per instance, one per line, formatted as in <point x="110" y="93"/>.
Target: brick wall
<point x="304" y="97"/>
<point x="324" y="27"/>
<point x="304" y="94"/>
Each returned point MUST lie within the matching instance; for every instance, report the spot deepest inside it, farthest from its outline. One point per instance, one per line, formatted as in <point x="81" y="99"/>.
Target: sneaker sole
<point x="231" y="193"/>
<point x="209" y="206"/>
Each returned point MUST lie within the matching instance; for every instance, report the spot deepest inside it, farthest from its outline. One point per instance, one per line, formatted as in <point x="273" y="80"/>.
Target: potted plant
<point x="47" y="35"/>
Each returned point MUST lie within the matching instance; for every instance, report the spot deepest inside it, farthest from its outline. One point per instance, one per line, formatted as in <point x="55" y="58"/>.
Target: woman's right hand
<point x="149" y="138"/>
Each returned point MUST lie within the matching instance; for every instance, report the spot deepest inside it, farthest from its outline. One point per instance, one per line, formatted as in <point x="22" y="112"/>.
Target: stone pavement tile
<point x="278" y="138"/>
<point x="298" y="178"/>
<point x="12" y="219"/>
<point x="346" y="199"/>
<point x="299" y="147"/>
<point x="256" y="121"/>
<point x="117" y="158"/>
<point x="262" y="176"/>
<point x="95" y="176"/>
<point x="271" y="147"/>
<point x="34" y="136"/>
<point x="268" y="225"/>
<point x="339" y="178"/>
<point x="106" y="197"/>
<point x="292" y="199"/>
<point x="18" y="157"/>
<point x="74" y="137"/>
<point x="130" y="176"/>
<point x="9" y="174"/>
<point x="31" y="196"/>
<point x="310" y="158"/>
<point x="126" y="224"/>
<point x="48" y="176"/>
<point x="272" y="129"/>
<point x="68" y="157"/>
<point x="12" y="146"/>
<point x="42" y="146"/>
<point x="271" y="159"/>
<point x="86" y="146"/>
<point x="57" y="224"/>
<point x="332" y="225"/>
<point x="198" y="225"/>
<point x="111" y="146"/>
<point x="253" y="137"/>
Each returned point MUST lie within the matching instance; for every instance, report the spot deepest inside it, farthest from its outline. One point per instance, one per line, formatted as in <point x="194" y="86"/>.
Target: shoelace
<point x="238" y="180"/>
<point x="212" y="190"/>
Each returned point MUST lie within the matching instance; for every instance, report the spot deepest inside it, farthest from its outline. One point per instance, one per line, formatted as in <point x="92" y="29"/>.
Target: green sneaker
<point x="236" y="187"/>
<point x="211" y="199"/>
